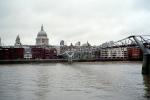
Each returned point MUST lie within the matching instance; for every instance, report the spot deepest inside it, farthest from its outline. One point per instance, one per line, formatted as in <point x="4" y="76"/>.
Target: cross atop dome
<point x="42" y="32"/>
<point x="42" y="28"/>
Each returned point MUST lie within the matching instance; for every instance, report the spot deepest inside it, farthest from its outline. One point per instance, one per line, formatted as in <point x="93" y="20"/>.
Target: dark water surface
<point x="79" y="81"/>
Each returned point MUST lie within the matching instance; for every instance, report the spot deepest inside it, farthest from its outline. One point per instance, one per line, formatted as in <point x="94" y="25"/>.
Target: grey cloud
<point x="142" y="5"/>
<point x="73" y="20"/>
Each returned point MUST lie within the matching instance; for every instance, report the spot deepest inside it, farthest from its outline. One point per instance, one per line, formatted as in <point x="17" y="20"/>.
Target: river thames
<point x="77" y="81"/>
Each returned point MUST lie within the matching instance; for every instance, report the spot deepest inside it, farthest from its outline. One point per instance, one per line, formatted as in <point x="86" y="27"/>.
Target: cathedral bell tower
<point x="17" y="42"/>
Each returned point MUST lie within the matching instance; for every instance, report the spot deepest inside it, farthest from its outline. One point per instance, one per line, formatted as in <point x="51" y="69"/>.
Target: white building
<point x="78" y="43"/>
<point x="42" y="38"/>
<point x="114" y="53"/>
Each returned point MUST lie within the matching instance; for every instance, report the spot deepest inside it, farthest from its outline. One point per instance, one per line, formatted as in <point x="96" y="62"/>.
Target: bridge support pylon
<point x="69" y="60"/>
<point x="146" y="64"/>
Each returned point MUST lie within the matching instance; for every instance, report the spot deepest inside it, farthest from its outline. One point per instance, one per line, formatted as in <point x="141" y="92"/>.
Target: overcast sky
<point x="96" y="21"/>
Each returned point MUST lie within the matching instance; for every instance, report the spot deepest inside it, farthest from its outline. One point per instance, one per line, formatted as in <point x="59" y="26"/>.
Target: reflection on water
<point x="82" y="81"/>
<point x="146" y="80"/>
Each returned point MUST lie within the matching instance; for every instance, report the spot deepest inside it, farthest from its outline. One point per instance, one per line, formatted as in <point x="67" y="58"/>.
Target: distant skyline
<point x="95" y="21"/>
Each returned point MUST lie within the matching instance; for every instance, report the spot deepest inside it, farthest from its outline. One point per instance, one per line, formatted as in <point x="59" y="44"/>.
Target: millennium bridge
<point x="141" y="41"/>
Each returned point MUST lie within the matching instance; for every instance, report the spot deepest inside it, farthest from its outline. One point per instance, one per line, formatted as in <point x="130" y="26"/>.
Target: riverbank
<point x="23" y="61"/>
<point x="32" y="61"/>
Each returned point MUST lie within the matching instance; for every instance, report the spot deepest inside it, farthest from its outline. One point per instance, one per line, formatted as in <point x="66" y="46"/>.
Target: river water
<point x="78" y="81"/>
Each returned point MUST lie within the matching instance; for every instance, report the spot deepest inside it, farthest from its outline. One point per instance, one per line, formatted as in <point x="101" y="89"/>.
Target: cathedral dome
<point x="42" y="38"/>
<point x="42" y="33"/>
